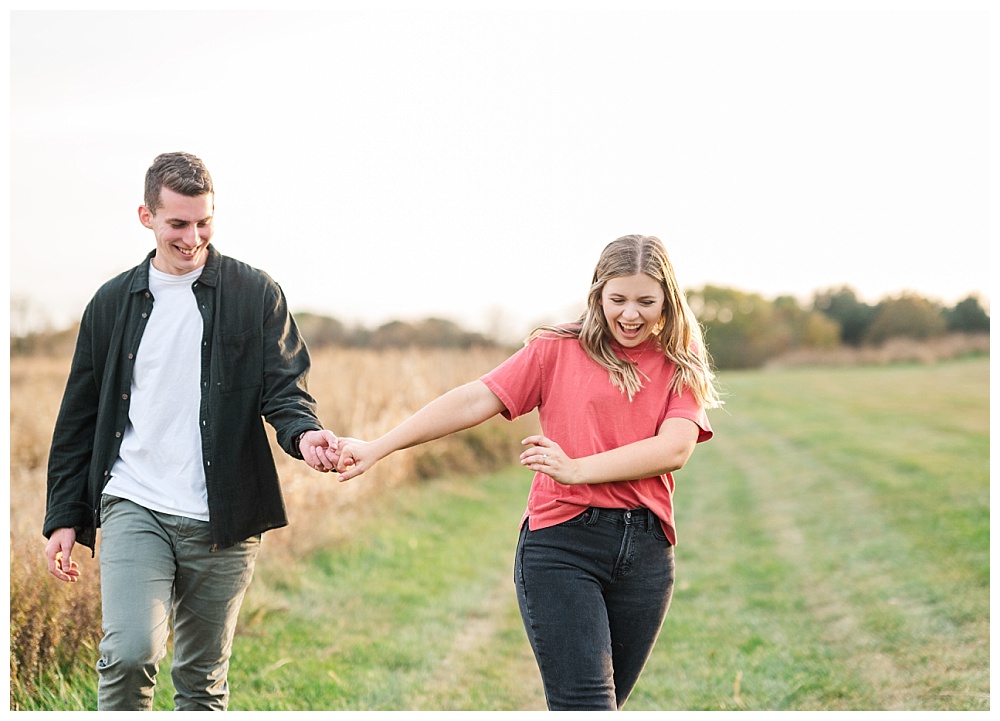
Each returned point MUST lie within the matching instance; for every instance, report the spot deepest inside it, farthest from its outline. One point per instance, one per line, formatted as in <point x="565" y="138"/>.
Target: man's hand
<point x="319" y="450"/>
<point x="58" y="550"/>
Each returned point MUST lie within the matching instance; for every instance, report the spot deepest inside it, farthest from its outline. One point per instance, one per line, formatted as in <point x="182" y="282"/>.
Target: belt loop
<point x="651" y="520"/>
<point x="595" y="513"/>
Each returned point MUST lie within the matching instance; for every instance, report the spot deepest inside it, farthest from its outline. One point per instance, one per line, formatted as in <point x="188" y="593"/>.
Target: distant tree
<point x="968" y="316"/>
<point x="440" y="333"/>
<point x="744" y="330"/>
<point x="320" y="330"/>
<point x="853" y="316"/>
<point x="394" y="334"/>
<point x="48" y="342"/>
<point x="906" y="316"/>
<point x="739" y="327"/>
<point x="805" y="327"/>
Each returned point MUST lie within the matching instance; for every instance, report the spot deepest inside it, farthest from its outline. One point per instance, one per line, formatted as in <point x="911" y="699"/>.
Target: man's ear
<point x="146" y="216"/>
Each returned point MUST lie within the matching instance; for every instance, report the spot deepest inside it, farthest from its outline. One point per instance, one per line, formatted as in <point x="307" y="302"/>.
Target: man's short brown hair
<point x="181" y="172"/>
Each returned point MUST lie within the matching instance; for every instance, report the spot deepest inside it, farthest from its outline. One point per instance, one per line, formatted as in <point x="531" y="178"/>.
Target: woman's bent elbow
<point x="679" y="458"/>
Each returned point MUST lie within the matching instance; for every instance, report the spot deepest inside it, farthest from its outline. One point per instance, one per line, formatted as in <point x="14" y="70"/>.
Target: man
<point x="160" y="443"/>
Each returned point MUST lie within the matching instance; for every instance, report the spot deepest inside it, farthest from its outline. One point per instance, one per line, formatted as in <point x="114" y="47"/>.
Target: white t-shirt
<point x="159" y="465"/>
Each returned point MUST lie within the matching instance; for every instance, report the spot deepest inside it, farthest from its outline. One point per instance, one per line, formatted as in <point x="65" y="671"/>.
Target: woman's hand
<point x="356" y="457"/>
<point x="547" y="457"/>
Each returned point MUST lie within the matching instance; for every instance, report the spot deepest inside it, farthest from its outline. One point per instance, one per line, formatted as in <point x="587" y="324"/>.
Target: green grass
<point x="833" y="554"/>
<point x="834" y="549"/>
<point x="421" y="598"/>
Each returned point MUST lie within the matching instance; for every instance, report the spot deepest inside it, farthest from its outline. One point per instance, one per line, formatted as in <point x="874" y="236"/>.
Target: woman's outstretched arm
<point x="458" y="409"/>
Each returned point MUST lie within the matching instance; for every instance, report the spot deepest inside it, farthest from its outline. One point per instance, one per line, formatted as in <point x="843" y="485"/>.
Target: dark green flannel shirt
<point x="253" y="365"/>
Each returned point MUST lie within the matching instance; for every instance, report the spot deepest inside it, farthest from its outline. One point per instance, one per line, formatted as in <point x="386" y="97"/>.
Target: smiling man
<point x="183" y="229"/>
<point x="160" y="443"/>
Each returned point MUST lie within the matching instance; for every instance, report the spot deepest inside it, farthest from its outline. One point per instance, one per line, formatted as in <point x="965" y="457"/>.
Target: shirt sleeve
<point x="685" y="405"/>
<point x="285" y="401"/>
<point x="72" y="448"/>
<point x="517" y="382"/>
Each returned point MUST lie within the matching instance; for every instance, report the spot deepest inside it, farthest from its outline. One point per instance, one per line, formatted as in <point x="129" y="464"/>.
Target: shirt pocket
<point x="241" y="361"/>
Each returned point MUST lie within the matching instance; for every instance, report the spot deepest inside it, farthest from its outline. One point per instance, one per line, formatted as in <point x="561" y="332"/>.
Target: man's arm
<point x="71" y="451"/>
<point x="285" y="400"/>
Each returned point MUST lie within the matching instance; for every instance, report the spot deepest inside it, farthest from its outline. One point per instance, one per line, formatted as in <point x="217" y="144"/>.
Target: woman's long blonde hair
<point x="678" y="334"/>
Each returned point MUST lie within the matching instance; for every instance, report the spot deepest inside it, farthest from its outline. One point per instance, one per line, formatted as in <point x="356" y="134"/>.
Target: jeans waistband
<point x="641" y="517"/>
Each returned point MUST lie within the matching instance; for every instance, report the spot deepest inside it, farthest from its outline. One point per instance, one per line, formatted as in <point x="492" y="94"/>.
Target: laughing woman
<point x="621" y="397"/>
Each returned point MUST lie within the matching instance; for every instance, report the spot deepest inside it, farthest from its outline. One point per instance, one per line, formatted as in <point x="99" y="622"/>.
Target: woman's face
<point x="633" y="306"/>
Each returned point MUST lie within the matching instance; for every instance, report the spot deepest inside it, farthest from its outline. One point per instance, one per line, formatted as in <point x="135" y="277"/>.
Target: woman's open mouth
<point x="630" y="330"/>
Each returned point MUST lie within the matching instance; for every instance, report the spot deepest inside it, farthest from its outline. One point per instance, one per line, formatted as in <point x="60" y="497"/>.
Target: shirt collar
<point x="209" y="276"/>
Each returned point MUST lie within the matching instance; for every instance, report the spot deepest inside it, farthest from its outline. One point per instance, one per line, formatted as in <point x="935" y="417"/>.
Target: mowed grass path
<point x="833" y="554"/>
<point x="834" y="549"/>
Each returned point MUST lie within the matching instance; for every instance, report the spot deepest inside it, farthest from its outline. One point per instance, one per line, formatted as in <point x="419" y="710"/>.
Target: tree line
<point x="745" y="330"/>
<point x="742" y="330"/>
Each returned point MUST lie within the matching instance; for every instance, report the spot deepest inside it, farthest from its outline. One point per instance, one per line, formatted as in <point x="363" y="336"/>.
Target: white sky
<point x="469" y="160"/>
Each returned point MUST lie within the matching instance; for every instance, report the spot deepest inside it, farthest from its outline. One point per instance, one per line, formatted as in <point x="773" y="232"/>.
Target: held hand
<point x="58" y="551"/>
<point x="547" y="457"/>
<point x="319" y="450"/>
<point x="356" y="457"/>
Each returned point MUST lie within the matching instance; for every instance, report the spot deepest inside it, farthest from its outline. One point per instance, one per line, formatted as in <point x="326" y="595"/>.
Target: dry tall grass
<point x="360" y="393"/>
<point x="49" y="621"/>
<point x="363" y="393"/>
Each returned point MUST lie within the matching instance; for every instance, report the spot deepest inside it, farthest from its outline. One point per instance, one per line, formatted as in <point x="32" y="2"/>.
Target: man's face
<point x="183" y="229"/>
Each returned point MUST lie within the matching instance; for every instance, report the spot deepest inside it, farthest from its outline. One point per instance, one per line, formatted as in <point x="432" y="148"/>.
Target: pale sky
<point x="469" y="160"/>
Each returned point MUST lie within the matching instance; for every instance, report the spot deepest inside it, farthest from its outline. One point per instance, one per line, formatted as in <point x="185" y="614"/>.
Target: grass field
<point x="835" y="546"/>
<point x="833" y="554"/>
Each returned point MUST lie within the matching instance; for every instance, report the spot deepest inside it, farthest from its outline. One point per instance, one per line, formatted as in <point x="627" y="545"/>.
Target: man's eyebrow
<point x="185" y="221"/>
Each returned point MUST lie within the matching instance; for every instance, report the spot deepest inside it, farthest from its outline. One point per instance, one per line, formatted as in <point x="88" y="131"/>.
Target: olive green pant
<point x="154" y="567"/>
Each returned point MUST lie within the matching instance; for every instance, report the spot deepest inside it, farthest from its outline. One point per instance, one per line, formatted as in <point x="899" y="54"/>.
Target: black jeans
<point x="593" y="593"/>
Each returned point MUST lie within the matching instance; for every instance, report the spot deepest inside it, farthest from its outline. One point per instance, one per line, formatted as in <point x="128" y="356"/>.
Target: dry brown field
<point x="360" y="393"/>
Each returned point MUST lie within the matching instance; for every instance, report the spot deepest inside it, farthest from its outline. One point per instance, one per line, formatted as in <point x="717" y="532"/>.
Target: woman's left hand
<point x="547" y="457"/>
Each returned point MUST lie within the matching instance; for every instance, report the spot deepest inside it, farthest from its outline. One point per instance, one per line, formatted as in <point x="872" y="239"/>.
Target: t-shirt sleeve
<point x="685" y="405"/>
<point x="517" y="381"/>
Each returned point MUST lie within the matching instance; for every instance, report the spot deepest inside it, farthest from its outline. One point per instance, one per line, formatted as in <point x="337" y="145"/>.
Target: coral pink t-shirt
<point x="581" y="410"/>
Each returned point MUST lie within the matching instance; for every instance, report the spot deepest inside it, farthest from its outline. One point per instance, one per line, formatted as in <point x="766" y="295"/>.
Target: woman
<point x="621" y="397"/>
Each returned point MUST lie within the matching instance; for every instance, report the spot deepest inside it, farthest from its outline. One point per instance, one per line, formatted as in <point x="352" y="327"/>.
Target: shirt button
<point x="131" y="356"/>
<point x="143" y="315"/>
<point x="124" y="396"/>
<point x="118" y="434"/>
